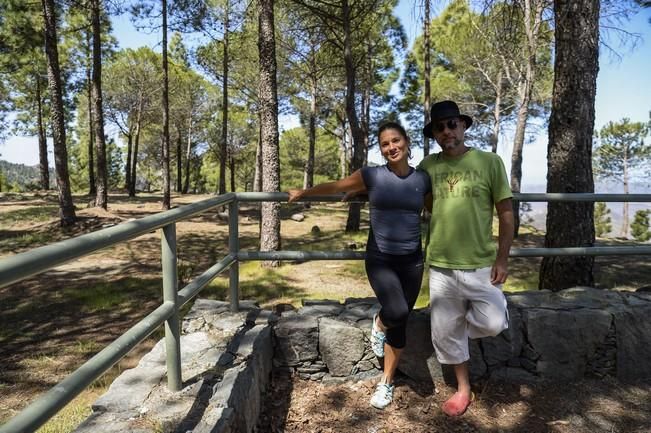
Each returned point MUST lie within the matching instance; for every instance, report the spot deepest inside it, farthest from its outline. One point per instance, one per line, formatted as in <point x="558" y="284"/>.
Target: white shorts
<point x="464" y="304"/>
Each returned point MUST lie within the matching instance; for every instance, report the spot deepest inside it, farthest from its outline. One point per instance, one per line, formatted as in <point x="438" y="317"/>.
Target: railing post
<point x="170" y="294"/>
<point x="233" y="248"/>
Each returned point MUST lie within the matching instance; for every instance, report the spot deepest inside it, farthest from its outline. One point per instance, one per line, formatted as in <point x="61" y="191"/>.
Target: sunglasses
<point x="440" y="126"/>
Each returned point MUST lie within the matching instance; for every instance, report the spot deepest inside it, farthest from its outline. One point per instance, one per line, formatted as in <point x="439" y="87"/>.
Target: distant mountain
<point x="25" y="176"/>
<point x="538" y="211"/>
<point x="636" y="187"/>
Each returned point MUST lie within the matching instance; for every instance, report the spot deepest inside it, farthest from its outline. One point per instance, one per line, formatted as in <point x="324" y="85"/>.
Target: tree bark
<point x="428" y="72"/>
<point x="308" y="178"/>
<point x="268" y="97"/>
<point x="66" y="206"/>
<point x="257" y="175"/>
<point x="497" y="113"/>
<point x="101" y="181"/>
<point x="127" y="168"/>
<point x="166" y="119"/>
<point x="188" y="156"/>
<point x="43" y="165"/>
<point x="231" y="169"/>
<point x="352" y="223"/>
<point x="343" y="150"/>
<point x="179" y="160"/>
<point x="532" y="14"/>
<point x="625" y="223"/>
<point x="569" y="155"/>
<point x="92" y="190"/>
<point x="222" y="146"/>
<point x="136" y="143"/>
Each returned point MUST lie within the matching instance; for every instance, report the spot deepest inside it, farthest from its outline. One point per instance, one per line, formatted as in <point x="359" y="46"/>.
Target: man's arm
<point x="500" y="270"/>
<point x="429" y="201"/>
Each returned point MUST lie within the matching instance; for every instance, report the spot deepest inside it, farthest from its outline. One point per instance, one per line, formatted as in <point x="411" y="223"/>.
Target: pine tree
<point x="620" y="153"/>
<point x="640" y="226"/>
<point x="569" y="165"/>
<point x="602" y="222"/>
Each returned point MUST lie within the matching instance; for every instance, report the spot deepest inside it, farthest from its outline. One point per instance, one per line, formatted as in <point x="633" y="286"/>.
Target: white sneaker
<point x="383" y="396"/>
<point x="378" y="338"/>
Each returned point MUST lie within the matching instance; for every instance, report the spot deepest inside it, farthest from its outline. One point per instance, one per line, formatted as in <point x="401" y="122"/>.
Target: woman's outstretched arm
<point x="354" y="182"/>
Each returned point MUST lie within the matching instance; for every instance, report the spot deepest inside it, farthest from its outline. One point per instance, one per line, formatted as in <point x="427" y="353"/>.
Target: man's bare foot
<point x="457" y="404"/>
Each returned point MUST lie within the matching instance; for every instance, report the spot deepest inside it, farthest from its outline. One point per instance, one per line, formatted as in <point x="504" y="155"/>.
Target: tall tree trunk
<point x="428" y="72"/>
<point x="66" y="206"/>
<point x="352" y="223"/>
<point x="231" y="169"/>
<point x="188" y="156"/>
<point x="569" y="156"/>
<point x="136" y="143"/>
<point x="365" y="123"/>
<point x="166" y="114"/>
<point x="179" y="160"/>
<point x="101" y="182"/>
<point x="222" y="146"/>
<point x="43" y="165"/>
<point x="625" y="223"/>
<point x="497" y="113"/>
<point x="257" y="175"/>
<point x="268" y="97"/>
<point x="308" y="178"/>
<point x="532" y="18"/>
<point x="92" y="189"/>
<point x="343" y="150"/>
<point x="127" y="165"/>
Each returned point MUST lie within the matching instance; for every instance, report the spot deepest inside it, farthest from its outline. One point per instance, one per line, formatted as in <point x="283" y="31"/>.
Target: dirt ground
<point x="591" y="406"/>
<point x="51" y="323"/>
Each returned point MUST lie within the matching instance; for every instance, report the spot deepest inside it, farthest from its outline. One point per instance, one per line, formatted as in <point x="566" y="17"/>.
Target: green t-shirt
<point x="465" y="190"/>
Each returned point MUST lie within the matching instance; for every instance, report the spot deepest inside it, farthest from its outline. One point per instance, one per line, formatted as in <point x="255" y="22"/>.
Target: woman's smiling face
<point x="393" y="145"/>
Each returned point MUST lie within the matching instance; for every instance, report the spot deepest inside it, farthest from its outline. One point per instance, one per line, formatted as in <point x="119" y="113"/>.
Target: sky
<point x="623" y="90"/>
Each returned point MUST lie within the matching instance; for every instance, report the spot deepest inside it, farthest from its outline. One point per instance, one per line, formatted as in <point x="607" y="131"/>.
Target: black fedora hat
<point x="444" y="110"/>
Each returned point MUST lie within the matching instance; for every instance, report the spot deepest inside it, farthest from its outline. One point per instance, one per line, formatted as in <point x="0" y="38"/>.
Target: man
<point x="466" y="271"/>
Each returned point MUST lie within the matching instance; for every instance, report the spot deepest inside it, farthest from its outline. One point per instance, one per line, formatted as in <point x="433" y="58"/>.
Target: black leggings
<point x="396" y="280"/>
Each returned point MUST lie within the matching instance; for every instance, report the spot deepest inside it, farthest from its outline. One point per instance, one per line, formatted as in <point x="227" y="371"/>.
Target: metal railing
<point x="30" y="263"/>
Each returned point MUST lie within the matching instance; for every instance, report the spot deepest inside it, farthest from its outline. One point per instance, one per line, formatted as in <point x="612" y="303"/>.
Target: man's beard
<point x="455" y="144"/>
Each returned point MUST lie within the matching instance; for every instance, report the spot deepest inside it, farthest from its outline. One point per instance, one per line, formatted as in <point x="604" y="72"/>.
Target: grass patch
<point x="25" y="240"/>
<point x="258" y="283"/>
<point x="73" y="414"/>
<point x="103" y="296"/>
<point x="34" y="214"/>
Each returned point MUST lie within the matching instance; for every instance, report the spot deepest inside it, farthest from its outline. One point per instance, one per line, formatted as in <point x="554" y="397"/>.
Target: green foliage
<point x="293" y="155"/>
<point x="78" y="157"/>
<point x="20" y="177"/>
<point x="640" y="226"/>
<point x="476" y="56"/>
<point x="621" y="152"/>
<point x="602" y="220"/>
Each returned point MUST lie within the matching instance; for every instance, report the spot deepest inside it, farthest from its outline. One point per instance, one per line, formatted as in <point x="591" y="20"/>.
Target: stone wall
<point x="556" y="336"/>
<point x="226" y="366"/>
<point x="227" y="357"/>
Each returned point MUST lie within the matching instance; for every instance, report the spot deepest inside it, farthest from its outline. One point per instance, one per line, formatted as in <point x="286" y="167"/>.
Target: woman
<point x="394" y="258"/>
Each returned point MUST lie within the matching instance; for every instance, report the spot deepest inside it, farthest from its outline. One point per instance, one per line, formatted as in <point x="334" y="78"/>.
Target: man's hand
<point x="295" y="194"/>
<point x="499" y="272"/>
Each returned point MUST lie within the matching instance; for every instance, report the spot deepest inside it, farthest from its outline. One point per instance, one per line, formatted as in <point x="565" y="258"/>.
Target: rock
<point x="565" y="340"/>
<point x="514" y="375"/>
<point x="315" y="230"/>
<point x="297" y="339"/>
<point x="298" y="217"/>
<point x="633" y="343"/>
<point x="341" y="346"/>
<point x="418" y="360"/>
<point x="279" y="309"/>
